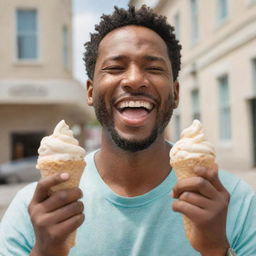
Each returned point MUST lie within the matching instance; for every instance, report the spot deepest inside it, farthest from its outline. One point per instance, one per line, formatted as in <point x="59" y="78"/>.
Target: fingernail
<point x="172" y="194"/>
<point x="64" y="176"/>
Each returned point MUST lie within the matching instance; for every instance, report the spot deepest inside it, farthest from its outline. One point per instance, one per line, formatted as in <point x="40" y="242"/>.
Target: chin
<point x="133" y="144"/>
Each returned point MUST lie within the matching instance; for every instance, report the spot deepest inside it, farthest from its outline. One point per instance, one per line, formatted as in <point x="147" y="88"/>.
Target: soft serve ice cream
<point x="59" y="153"/>
<point x="61" y="145"/>
<point x="192" y="144"/>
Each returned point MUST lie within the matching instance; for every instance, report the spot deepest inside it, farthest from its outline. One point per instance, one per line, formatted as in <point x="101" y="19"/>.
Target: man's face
<point x="132" y="91"/>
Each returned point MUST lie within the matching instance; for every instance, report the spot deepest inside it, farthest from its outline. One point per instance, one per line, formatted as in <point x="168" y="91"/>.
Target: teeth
<point x="135" y="104"/>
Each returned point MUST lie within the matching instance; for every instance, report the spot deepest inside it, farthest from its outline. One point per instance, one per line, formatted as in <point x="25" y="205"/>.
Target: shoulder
<point x="27" y="192"/>
<point x="242" y="195"/>
<point x="234" y="183"/>
<point x="16" y="230"/>
<point x="241" y="218"/>
<point x="24" y="195"/>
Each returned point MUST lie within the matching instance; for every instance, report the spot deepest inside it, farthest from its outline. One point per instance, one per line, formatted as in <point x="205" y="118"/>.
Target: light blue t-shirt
<point x="139" y="226"/>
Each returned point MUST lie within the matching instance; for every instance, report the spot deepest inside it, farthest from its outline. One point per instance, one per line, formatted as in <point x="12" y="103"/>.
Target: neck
<point x="133" y="173"/>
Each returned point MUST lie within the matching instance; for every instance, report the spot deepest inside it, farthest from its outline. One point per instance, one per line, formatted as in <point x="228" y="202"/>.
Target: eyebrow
<point x="154" y="58"/>
<point x="146" y="57"/>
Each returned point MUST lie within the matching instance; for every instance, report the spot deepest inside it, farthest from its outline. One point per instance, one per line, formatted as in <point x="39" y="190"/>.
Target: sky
<point x="86" y="13"/>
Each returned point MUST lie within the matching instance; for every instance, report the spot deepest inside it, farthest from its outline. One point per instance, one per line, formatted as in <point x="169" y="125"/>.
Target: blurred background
<point x="42" y="78"/>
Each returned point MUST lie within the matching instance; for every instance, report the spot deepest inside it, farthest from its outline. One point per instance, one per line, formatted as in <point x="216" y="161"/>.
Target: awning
<point x="42" y="92"/>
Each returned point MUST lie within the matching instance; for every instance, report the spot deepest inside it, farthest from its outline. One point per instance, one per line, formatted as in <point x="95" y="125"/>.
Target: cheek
<point x="105" y="84"/>
<point x="163" y="83"/>
<point x="164" y="90"/>
<point x="102" y="96"/>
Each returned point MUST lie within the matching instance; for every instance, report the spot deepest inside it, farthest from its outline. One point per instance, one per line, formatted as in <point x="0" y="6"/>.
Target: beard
<point x="106" y="120"/>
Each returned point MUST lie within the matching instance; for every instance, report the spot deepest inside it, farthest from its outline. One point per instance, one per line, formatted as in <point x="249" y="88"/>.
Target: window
<point x="65" y="46"/>
<point x="195" y="104"/>
<point x="27" y="48"/>
<point x="177" y="129"/>
<point x="251" y="2"/>
<point x="222" y="9"/>
<point x="194" y="20"/>
<point x="224" y="109"/>
<point x="254" y="76"/>
<point x="177" y="25"/>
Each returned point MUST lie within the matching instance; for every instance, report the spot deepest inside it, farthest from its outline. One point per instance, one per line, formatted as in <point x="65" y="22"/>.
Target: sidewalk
<point x="248" y="175"/>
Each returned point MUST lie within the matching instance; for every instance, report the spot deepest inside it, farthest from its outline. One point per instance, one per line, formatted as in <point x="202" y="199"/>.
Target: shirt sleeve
<point x="16" y="230"/>
<point x="242" y="224"/>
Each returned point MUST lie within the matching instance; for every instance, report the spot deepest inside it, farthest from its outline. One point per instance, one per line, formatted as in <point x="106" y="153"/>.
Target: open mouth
<point x="134" y="112"/>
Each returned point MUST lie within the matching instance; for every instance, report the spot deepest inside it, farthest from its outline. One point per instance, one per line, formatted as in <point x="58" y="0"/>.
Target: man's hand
<point x="204" y="200"/>
<point x="54" y="216"/>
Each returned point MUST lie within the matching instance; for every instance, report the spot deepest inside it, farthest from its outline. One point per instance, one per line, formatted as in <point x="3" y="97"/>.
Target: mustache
<point x="134" y="95"/>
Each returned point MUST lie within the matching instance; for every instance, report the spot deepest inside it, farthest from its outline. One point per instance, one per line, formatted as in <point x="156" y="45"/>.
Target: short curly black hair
<point x="144" y="16"/>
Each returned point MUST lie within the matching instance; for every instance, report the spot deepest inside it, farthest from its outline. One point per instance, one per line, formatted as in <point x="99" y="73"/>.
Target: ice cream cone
<point x="73" y="167"/>
<point x="184" y="168"/>
<point x="61" y="153"/>
<point x="191" y="150"/>
<point x="75" y="170"/>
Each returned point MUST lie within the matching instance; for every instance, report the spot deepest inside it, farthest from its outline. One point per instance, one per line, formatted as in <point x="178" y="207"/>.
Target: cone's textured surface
<point x="75" y="169"/>
<point x="184" y="168"/>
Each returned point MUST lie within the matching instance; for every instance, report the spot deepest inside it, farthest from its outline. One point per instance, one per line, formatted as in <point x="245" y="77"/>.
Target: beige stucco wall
<point x="226" y="48"/>
<point x="211" y="32"/>
<point x="237" y="152"/>
<point x="52" y="16"/>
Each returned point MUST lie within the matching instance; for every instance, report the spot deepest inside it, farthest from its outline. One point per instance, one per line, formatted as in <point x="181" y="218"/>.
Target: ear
<point x="176" y="93"/>
<point x="89" y="86"/>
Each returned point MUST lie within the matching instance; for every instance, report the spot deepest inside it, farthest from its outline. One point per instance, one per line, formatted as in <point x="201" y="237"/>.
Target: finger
<point x="195" y="199"/>
<point x="64" y="213"/>
<point x="195" y="184"/>
<point x="61" y="198"/>
<point x="70" y="225"/>
<point x="191" y="211"/>
<point x="44" y="185"/>
<point x="211" y="174"/>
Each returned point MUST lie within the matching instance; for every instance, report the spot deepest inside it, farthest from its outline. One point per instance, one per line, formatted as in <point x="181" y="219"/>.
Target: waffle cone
<point x="184" y="168"/>
<point x="75" y="170"/>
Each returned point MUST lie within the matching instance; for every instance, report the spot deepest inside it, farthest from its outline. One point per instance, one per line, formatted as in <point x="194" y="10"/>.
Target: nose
<point x="134" y="79"/>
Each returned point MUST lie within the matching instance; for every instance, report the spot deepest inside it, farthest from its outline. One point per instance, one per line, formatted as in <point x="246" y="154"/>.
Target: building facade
<point x="218" y="76"/>
<point x="37" y="89"/>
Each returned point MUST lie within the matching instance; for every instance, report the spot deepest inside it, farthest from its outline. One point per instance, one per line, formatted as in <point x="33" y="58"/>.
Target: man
<point x="133" y="62"/>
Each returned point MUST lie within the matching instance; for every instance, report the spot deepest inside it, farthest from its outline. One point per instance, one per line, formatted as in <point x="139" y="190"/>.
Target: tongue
<point x="134" y="113"/>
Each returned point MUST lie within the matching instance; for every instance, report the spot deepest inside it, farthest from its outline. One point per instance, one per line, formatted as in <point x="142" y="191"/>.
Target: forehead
<point x="132" y="40"/>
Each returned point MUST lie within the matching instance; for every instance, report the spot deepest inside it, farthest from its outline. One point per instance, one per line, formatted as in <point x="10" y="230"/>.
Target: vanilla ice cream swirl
<point x="61" y="145"/>
<point x="192" y="144"/>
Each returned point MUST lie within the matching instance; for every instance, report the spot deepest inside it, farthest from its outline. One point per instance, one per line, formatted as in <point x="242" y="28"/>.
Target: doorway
<point x="25" y="144"/>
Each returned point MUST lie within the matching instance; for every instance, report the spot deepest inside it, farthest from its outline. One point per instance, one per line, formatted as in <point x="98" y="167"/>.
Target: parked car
<point x="21" y="170"/>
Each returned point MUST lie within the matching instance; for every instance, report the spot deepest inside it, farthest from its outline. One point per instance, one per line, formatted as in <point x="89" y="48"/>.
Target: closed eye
<point x="155" y="68"/>
<point x="113" y="68"/>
